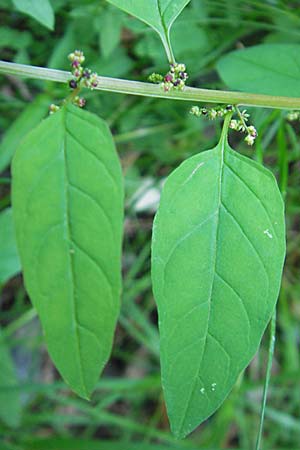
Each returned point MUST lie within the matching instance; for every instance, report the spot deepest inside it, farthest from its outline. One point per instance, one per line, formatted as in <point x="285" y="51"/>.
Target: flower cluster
<point x="174" y="79"/>
<point x="82" y="77"/>
<point x="239" y="124"/>
<point x="211" y="113"/>
<point x="292" y="116"/>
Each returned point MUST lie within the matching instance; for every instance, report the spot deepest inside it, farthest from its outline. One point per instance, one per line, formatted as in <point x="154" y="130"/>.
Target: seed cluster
<point x="174" y="79"/>
<point x="239" y="124"/>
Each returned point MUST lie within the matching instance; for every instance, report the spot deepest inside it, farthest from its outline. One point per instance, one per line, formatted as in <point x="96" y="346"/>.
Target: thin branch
<point x="267" y="379"/>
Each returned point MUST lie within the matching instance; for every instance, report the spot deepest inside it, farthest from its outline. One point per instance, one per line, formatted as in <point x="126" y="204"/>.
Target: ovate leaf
<point x="217" y="257"/>
<point x="40" y="10"/>
<point x="272" y="69"/>
<point x="9" y="259"/>
<point x="158" y="14"/>
<point x="68" y="209"/>
<point x="10" y="402"/>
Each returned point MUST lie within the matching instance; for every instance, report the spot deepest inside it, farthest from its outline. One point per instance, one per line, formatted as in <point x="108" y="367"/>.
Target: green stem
<point x="5" y="180"/>
<point x="224" y="134"/>
<point x="20" y="322"/>
<point x="242" y="119"/>
<point x="267" y="379"/>
<point x="153" y="90"/>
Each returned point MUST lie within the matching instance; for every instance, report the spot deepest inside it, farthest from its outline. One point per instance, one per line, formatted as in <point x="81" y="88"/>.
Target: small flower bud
<point x="79" y="101"/>
<point x="77" y="72"/>
<point x="293" y="115"/>
<point x="53" y="108"/>
<point x="73" y="84"/>
<point x="252" y="131"/>
<point x="168" y="78"/>
<point x="212" y="114"/>
<point x="233" y="124"/>
<point x="195" y="111"/>
<point x="183" y="75"/>
<point x="155" y="78"/>
<point x="180" y="68"/>
<point x="250" y="139"/>
<point x="167" y="86"/>
<point x="86" y="73"/>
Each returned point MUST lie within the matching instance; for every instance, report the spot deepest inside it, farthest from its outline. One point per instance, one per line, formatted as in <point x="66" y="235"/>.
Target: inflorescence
<point x="239" y="124"/>
<point x="174" y="79"/>
<point x="81" y="77"/>
<point x="292" y="116"/>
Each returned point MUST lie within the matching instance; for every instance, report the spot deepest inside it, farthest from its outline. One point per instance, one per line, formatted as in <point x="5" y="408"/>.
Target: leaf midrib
<point x="217" y="213"/>
<point x="68" y="229"/>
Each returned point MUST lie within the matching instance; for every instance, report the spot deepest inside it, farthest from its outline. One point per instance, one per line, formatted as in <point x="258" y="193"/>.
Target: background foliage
<point x="153" y="136"/>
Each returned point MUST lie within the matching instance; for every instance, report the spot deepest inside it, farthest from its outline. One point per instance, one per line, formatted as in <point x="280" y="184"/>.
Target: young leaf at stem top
<point x="68" y="210"/>
<point x="158" y="14"/>
<point x="217" y="256"/>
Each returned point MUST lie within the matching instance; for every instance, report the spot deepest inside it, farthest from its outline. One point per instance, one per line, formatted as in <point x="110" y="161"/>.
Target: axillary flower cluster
<point x="239" y="124"/>
<point x="81" y="77"/>
<point x="175" y="78"/>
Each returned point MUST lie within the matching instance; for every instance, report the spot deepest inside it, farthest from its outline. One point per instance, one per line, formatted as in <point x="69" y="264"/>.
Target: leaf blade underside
<point x="158" y="14"/>
<point x="68" y="212"/>
<point x="217" y="256"/>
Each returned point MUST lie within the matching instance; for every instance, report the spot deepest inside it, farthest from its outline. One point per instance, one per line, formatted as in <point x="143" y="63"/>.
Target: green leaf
<point x="272" y="69"/>
<point x="217" y="258"/>
<point x="28" y="119"/>
<point x="40" y="10"/>
<point x="9" y="259"/>
<point x="109" y="26"/>
<point x="10" y="404"/>
<point x="158" y="14"/>
<point x="81" y="444"/>
<point x="68" y="210"/>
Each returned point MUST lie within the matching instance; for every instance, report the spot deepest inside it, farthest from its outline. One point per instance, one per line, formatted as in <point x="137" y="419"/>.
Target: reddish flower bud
<point x="168" y="77"/>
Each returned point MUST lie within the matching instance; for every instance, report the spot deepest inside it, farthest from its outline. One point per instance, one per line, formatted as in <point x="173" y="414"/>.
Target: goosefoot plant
<point x="218" y="242"/>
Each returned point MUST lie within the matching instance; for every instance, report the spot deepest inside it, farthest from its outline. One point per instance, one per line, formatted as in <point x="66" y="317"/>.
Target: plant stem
<point x="152" y="90"/>
<point x="20" y="322"/>
<point x="267" y="379"/>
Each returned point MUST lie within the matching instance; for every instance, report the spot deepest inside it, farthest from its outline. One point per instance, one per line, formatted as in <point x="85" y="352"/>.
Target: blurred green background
<point x="153" y="136"/>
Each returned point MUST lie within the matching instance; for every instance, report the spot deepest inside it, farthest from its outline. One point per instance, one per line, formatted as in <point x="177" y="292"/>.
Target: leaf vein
<point x="247" y="239"/>
<point x="90" y="152"/>
<point x="96" y="202"/>
<point x="254" y="195"/>
<point x="96" y="264"/>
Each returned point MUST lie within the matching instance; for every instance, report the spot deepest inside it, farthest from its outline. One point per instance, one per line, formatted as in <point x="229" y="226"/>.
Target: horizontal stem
<point x="152" y="90"/>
